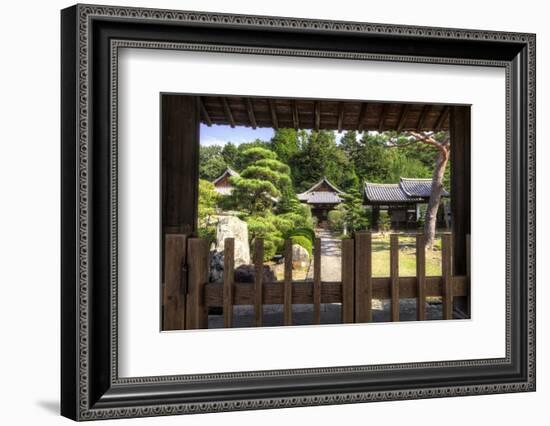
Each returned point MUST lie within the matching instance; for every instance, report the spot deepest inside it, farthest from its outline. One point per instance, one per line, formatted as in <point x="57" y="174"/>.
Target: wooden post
<point x="468" y="266"/>
<point x="317" y="281"/>
<point x="421" y="277"/>
<point x="287" y="295"/>
<point x="174" y="295"/>
<point x="180" y="116"/>
<point x="363" y="277"/>
<point x="258" y="281"/>
<point x="446" y="273"/>
<point x="348" y="308"/>
<point x="228" y="281"/>
<point x="460" y="131"/>
<point x="197" y="260"/>
<point x="394" y="276"/>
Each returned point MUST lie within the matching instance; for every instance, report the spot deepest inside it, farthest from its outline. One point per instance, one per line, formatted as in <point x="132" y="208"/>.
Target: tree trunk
<point x="435" y="196"/>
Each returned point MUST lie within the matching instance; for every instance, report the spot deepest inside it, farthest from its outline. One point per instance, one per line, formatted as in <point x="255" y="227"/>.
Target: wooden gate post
<point x="197" y="260"/>
<point x="174" y="295"/>
<point x="363" y="277"/>
<point x="348" y="308"/>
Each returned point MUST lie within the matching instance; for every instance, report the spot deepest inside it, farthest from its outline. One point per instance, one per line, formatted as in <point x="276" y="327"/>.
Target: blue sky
<point x="222" y="134"/>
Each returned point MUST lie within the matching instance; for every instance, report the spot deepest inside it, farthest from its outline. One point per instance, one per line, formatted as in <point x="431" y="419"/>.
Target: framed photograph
<point x="263" y="212"/>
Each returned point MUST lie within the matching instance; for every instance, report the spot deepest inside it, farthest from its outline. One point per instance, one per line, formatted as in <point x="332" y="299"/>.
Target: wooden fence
<point x="188" y="294"/>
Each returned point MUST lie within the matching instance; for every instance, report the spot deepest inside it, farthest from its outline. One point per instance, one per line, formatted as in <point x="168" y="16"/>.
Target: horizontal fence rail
<point x="188" y="294"/>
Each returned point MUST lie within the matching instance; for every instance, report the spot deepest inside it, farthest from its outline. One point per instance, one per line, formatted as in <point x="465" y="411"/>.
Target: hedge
<point x="303" y="242"/>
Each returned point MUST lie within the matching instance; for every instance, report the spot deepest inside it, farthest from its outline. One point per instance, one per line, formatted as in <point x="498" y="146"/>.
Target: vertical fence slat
<point x="421" y="277"/>
<point x="394" y="275"/>
<point x="228" y="281"/>
<point x="446" y="273"/>
<point x="173" y="294"/>
<point x="348" y="307"/>
<point x="197" y="262"/>
<point x="317" y="281"/>
<point x="363" y="277"/>
<point x="258" y="281"/>
<point x="287" y="291"/>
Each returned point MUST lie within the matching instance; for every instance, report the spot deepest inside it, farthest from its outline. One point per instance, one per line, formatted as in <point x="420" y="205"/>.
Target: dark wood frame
<point x="90" y="386"/>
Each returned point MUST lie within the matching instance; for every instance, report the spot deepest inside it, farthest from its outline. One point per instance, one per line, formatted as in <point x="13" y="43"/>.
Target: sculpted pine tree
<point x="442" y="143"/>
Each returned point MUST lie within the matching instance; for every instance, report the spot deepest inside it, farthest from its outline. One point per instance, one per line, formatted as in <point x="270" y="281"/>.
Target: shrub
<point x="336" y="221"/>
<point x="384" y="222"/>
<point x="303" y="242"/>
<point x="303" y="232"/>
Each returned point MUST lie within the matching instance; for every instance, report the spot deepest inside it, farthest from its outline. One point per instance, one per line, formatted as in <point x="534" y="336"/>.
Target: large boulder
<point x="300" y="257"/>
<point x="247" y="274"/>
<point x="233" y="227"/>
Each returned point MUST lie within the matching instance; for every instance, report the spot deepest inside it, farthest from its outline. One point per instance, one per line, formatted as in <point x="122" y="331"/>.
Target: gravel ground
<point x="243" y="316"/>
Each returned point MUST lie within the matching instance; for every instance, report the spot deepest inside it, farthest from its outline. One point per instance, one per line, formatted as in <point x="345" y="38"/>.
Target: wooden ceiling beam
<point x="403" y="117"/>
<point x="361" y="118"/>
<point x="423" y="115"/>
<point x="274" y="120"/>
<point x="228" y="113"/>
<point x="295" y="115"/>
<point x="441" y="118"/>
<point x="250" y="111"/>
<point x="204" y="113"/>
<point x="317" y="110"/>
<point x="340" y="116"/>
<point x="382" y="118"/>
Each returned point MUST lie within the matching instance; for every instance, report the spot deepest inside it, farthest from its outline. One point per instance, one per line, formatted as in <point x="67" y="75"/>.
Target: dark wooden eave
<point x="322" y="114"/>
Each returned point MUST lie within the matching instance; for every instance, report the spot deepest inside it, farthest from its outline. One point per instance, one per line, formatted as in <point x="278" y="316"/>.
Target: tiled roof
<point x="386" y="192"/>
<point x="407" y="190"/>
<point x="229" y="171"/>
<point x="320" y="197"/>
<point x="418" y="187"/>
<point x="312" y="196"/>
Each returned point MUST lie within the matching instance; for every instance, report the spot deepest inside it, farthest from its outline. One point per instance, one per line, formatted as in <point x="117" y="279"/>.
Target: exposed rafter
<point x="295" y="115"/>
<point x="441" y="119"/>
<point x="274" y="119"/>
<point x="228" y="113"/>
<point x="250" y="112"/>
<point x="423" y="115"/>
<point x="204" y="113"/>
<point x="317" y="110"/>
<point x="382" y="117"/>
<point x="317" y="114"/>
<point x="340" y="116"/>
<point x="403" y="117"/>
<point x="361" y="118"/>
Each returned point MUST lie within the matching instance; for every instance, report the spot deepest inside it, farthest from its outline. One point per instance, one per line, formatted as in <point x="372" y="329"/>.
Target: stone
<point x="233" y="227"/>
<point x="216" y="266"/>
<point x="247" y="274"/>
<point x="300" y="257"/>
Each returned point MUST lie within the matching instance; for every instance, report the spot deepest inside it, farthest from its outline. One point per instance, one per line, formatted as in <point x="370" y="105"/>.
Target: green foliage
<point x="421" y="216"/>
<point x="230" y="154"/>
<point x="354" y="213"/>
<point x="254" y="154"/>
<point x="265" y="227"/>
<point x="336" y="220"/>
<point x="211" y="162"/>
<point x="308" y="233"/>
<point x="208" y="199"/>
<point x="252" y="195"/>
<point x="384" y="222"/>
<point x="303" y="242"/>
<point x="285" y="144"/>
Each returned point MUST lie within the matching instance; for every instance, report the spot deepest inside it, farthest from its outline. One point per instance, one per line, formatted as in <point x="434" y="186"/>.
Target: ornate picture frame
<point x="91" y="386"/>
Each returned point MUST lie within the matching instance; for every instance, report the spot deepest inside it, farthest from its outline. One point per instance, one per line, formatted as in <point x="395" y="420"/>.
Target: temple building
<point x="402" y="201"/>
<point x="322" y="197"/>
<point x="222" y="184"/>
